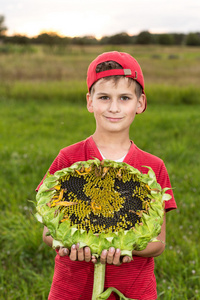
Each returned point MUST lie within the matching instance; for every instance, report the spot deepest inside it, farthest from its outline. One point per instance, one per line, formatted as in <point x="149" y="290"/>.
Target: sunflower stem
<point x="99" y="279"/>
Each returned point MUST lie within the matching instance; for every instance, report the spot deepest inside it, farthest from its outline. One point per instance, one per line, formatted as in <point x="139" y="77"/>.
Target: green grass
<point x="32" y="133"/>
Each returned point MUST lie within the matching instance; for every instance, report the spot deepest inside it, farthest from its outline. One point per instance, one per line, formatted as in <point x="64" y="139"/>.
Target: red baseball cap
<point x="131" y="68"/>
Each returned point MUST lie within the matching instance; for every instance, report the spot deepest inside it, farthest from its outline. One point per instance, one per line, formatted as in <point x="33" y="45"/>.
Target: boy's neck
<point x="112" y="147"/>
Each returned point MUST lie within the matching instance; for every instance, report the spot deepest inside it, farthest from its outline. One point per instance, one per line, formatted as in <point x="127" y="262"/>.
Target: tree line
<point x="143" y="38"/>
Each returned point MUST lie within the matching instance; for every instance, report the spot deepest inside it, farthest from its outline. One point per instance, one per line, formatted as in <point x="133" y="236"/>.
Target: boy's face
<point x="114" y="105"/>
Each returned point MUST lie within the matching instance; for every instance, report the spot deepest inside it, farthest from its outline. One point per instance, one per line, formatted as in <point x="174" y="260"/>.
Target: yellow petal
<point x="65" y="203"/>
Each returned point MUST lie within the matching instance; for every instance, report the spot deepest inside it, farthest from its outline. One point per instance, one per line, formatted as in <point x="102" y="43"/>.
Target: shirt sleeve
<point x="164" y="181"/>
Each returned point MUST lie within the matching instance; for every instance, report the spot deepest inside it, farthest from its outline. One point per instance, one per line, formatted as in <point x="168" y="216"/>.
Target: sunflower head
<point x="101" y="204"/>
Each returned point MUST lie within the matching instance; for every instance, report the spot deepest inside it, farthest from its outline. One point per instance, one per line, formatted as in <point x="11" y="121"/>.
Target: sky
<point x="100" y="17"/>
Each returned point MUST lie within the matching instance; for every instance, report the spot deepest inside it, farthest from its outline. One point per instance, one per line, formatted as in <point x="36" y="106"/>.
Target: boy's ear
<point x="141" y="104"/>
<point x="89" y="103"/>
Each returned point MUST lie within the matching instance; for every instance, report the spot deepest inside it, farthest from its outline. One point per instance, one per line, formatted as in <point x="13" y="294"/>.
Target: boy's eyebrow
<point x="102" y="93"/>
<point x="107" y="93"/>
<point x="126" y="94"/>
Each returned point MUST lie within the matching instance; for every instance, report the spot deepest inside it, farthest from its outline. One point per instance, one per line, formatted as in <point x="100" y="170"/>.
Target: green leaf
<point x="166" y="197"/>
<point x="38" y="217"/>
<point x="108" y="292"/>
<point x="57" y="244"/>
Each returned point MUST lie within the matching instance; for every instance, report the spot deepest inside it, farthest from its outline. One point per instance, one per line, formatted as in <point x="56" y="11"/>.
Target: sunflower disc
<point x="101" y="204"/>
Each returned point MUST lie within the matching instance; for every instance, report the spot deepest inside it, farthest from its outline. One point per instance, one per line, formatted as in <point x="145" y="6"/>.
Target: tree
<point x="3" y="28"/>
<point x="193" y="39"/>
<point x="17" y="39"/>
<point x="48" y="38"/>
<point x="85" y="40"/>
<point x="120" y="39"/>
<point x="144" y="38"/>
<point x="166" y="39"/>
<point x="117" y="39"/>
<point x="179" y="38"/>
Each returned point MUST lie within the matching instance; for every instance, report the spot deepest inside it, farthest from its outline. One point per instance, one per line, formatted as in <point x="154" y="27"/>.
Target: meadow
<point x="42" y="109"/>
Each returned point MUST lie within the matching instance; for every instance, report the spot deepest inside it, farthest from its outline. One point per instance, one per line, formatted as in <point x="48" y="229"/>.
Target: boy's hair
<point x="116" y="64"/>
<point x="111" y="65"/>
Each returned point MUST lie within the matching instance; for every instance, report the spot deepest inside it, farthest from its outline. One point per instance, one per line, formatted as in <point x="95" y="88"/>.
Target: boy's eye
<point x="104" y="97"/>
<point x="125" y="98"/>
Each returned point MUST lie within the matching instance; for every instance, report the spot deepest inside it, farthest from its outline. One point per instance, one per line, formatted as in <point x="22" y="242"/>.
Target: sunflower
<point x="102" y="204"/>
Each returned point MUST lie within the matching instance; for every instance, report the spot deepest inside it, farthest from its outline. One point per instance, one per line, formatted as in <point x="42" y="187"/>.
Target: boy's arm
<point x="155" y="248"/>
<point x="47" y="239"/>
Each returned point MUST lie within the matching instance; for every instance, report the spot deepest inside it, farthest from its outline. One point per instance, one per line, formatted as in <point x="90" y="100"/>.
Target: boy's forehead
<point x="110" y="82"/>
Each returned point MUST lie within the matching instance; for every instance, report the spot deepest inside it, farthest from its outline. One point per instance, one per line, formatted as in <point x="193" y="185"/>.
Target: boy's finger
<point x="110" y="255"/>
<point x="73" y="254"/>
<point x="103" y="257"/>
<point x="126" y="259"/>
<point x="93" y="259"/>
<point x="63" y="251"/>
<point x="116" y="259"/>
<point x="87" y="253"/>
<point x="80" y="254"/>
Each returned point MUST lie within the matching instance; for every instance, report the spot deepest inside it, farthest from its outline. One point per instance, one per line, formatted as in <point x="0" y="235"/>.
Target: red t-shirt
<point x="73" y="280"/>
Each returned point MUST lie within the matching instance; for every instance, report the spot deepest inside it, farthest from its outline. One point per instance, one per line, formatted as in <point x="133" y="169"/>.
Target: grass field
<point x="39" y="116"/>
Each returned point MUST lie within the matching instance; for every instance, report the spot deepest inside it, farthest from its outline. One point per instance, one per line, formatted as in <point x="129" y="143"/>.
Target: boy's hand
<point x="112" y="256"/>
<point x="63" y="251"/>
<point x="83" y="254"/>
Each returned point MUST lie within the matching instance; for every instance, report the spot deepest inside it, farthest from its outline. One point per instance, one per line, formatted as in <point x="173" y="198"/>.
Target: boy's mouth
<point x="112" y="119"/>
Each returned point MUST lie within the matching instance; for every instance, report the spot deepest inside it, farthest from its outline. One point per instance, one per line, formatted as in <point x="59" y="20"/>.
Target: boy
<point x="115" y="95"/>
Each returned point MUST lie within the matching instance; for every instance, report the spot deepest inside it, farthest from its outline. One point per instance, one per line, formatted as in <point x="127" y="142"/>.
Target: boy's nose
<point x="114" y="106"/>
